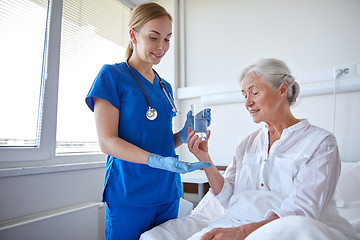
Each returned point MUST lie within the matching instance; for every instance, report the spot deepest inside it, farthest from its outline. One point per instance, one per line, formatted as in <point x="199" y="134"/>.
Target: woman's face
<point x="261" y="100"/>
<point x="152" y="40"/>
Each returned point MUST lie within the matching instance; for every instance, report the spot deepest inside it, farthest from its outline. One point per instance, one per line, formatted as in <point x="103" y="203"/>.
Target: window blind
<point x="22" y="31"/>
<point x="94" y="32"/>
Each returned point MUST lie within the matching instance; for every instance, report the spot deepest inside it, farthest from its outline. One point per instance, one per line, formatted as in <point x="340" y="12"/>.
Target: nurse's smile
<point x="159" y="56"/>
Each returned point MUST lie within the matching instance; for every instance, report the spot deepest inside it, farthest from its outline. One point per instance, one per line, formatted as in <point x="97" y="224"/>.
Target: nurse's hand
<point x="173" y="164"/>
<point x="189" y="118"/>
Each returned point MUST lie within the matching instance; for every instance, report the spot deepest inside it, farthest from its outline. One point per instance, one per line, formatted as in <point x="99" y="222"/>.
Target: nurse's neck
<point x="144" y="68"/>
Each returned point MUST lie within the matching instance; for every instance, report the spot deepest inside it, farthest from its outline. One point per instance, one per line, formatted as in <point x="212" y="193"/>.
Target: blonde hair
<point x="142" y="14"/>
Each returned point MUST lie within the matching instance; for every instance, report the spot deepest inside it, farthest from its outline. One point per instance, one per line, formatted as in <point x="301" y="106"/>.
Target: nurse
<point x="142" y="181"/>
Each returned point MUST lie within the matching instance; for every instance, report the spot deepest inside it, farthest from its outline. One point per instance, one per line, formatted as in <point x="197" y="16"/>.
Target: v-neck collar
<point x="154" y="87"/>
<point x="143" y="80"/>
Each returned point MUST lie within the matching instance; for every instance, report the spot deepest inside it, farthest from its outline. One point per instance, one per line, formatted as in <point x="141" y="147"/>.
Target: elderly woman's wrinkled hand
<point x="197" y="146"/>
<point x="225" y="234"/>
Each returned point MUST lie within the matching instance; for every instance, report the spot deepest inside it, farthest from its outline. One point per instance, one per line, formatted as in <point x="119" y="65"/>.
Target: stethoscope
<point x="151" y="113"/>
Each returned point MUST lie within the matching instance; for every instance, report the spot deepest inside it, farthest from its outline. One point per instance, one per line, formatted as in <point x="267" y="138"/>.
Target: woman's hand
<point x="238" y="233"/>
<point x="173" y="164"/>
<point x="198" y="147"/>
<point x="235" y="233"/>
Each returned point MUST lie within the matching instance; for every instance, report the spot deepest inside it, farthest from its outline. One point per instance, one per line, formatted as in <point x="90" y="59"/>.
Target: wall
<point x="166" y="68"/>
<point x="223" y="36"/>
<point x="28" y="194"/>
<point x="307" y="34"/>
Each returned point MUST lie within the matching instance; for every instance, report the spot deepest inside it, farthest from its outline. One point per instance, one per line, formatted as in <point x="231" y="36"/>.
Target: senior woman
<point x="283" y="177"/>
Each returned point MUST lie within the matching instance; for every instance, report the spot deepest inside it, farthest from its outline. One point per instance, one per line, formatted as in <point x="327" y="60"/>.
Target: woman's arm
<point x="107" y="120"/>
<point x="200" y="149"/>
<point x="177" y="140"/>
<point x="238" y="233"/>
<point x="315" y="183"/>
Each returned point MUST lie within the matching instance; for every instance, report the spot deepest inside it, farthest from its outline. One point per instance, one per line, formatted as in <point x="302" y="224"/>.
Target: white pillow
<point x="348" y="188"/>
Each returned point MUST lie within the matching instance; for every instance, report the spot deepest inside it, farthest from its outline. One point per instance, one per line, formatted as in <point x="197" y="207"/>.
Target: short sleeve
<point x="105" y="86"/>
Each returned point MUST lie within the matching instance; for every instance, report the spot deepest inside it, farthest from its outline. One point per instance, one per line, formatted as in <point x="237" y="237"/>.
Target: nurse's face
<point x="261" y="100"/>
<point x="152" y="40"/>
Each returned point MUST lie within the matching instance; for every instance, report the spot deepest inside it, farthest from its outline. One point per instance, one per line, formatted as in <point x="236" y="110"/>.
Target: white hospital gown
<point x="297" y="177"/>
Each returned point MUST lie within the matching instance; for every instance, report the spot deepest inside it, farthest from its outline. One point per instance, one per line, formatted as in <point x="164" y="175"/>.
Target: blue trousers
<point x="129" y="223"/>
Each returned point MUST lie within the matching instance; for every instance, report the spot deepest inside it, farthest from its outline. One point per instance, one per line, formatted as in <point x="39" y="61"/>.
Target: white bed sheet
<point x="347" y="200"/>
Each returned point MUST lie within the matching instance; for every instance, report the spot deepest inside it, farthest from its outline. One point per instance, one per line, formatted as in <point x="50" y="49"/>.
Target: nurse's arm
<point x="107" y="120"/>
<point x="177" y="140"/>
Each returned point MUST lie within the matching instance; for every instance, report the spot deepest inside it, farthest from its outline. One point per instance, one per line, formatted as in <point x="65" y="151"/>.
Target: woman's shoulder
<point x="116" y="67"/>
<point x="167" y="84"/>
<point x="312" y="135"/>
<point x="315" y="130"/>
<point x="114" y="72"/>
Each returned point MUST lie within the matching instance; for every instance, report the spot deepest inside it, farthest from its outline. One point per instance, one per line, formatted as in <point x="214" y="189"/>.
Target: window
<point x="51" y="51"/>
<point x="93" y="33"/>
<point x="22" y="30"/>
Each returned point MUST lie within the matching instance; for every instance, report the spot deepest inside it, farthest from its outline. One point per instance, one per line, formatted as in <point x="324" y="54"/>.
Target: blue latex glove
<point x="189" y="118"/>
<point x="173" y="164"/>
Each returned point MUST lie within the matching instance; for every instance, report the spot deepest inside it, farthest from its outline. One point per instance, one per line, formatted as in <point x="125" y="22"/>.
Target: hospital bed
<point x="347" y="199"/>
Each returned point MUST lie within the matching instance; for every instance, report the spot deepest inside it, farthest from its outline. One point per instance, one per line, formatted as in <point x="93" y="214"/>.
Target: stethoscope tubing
<point x="142" y="88"/>
<point x="163" y="87"/>
<point x="167" y="94"/>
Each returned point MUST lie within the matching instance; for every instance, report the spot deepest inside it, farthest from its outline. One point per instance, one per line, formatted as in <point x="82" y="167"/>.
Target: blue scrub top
<point x="130" y="184"/>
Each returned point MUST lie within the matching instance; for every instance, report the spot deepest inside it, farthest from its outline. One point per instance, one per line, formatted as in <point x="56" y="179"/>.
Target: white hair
<point x="274" y="72"/>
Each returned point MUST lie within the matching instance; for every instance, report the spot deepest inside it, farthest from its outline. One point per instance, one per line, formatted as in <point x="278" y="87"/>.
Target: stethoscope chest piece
<point x="151" y="113"/>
